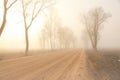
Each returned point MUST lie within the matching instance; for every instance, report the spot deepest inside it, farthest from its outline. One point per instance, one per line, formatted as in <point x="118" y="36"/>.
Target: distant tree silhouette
<point x="49" y="31"/>
<point x="66" y="37"/>
<point x="55" y="35"/>
<point x="85" y="38"/>
<point x="93" y="22"/>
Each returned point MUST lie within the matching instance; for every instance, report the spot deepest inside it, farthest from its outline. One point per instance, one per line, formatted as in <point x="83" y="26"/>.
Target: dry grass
<point x="105" y="64"/>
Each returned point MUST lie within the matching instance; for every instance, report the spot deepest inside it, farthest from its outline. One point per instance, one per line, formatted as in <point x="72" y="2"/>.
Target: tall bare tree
<point x="7" y="4"/>
<point x="43" y="39"/>
<point x="93" y="22"/>
<point x="50" y="28"/>
<point x="31" y="10"/>
<point x="49" y="33"/>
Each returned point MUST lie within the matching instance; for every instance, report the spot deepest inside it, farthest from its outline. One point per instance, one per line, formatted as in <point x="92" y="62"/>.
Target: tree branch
<point x="11" y="4"/>
<point x="35" y="15"/>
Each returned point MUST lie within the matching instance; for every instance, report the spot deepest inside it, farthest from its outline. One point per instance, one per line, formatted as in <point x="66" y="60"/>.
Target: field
<point x="62" y="65"/>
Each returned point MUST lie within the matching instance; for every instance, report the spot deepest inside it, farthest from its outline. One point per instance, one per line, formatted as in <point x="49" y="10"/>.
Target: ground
<point x="61" y="65"/>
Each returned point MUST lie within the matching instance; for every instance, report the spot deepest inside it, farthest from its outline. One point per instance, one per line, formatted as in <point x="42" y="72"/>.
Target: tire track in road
<point x="69" y="65"/>
<point x="38" y="72"/>
<point x="26" y="68"/>
<point x="57" y="70"/>
<point x="73" y="72"/>
<point x="64" y="74"/>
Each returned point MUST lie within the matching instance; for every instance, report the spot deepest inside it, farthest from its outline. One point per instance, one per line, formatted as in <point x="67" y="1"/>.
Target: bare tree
<point x="93" y="22"/>
<point x="66" y="37"/>
<point x="61" y="38"/>
<point x="85" y="38"/>
<point x="56" y="36"/>
<point x="50" y="28"/>
<point x="60" y="35"/>
<point x="43" y="39"/>
<point x="47" y="34"/>
<point x="31" y="10"/>
<point x="7" y="4"/>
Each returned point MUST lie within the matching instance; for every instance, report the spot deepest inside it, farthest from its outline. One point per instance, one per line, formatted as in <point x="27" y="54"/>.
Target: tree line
<point x="54" y="35"/>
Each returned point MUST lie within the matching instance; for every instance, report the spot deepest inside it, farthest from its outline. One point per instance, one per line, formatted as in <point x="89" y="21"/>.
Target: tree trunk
<point x="93" y="42"/>
<point x="27" y="42"/>
<point x="94" y="47"/>
<point x="4" y="19"/>
<point x="51" y="47"/>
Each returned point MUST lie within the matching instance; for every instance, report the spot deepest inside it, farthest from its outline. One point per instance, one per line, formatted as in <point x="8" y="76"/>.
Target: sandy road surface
<point x="67" y="65"/>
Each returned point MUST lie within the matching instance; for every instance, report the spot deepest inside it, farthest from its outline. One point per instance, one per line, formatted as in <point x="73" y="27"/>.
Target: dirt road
<point x="67" y="65"/>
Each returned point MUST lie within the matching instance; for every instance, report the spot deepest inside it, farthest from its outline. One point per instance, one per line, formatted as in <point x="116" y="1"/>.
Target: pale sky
<point x="70" y="12"/>
<point x="110" y="35"/>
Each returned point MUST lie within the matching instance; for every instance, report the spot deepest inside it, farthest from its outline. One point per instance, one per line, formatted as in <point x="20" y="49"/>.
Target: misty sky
<point x="70" y="12"/>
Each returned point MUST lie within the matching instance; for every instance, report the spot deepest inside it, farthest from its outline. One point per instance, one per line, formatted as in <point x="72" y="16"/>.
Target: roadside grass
<point x="101" y="60"/>
<point x="105" y="64"/>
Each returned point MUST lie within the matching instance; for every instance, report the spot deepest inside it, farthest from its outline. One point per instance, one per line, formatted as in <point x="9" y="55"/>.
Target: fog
<point x="69" y="13"/>
<point x="75" y="8"/>
<point x="59" y="39"/>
